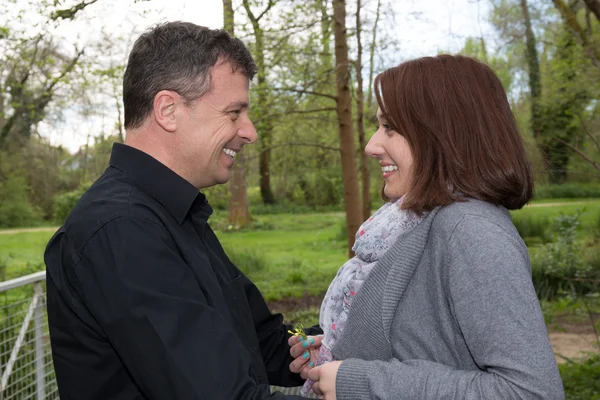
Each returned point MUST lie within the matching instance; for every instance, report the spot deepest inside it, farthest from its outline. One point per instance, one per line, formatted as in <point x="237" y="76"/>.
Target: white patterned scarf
<point x="374" y="237"/>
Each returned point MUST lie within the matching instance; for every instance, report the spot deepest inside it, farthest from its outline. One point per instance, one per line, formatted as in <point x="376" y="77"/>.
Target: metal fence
<point x="25" y="356"/>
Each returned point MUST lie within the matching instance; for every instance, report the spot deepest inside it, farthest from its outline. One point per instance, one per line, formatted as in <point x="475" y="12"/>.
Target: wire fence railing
<point x="26" y="369"/>
<point x="25" y="356"/>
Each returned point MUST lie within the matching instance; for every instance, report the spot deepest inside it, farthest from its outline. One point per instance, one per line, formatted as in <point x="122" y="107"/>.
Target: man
<point x="143" y="303"/>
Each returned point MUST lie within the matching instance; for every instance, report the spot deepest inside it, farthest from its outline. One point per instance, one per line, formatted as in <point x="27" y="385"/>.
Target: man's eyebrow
<point x="237" y="105"/>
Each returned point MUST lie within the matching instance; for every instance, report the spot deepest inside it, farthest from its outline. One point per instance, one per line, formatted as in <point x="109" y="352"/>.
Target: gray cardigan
<point x="449" y="312"/>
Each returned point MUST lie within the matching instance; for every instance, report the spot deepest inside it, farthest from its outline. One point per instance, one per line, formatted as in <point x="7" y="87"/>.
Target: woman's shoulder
<point x="476" y="215"/>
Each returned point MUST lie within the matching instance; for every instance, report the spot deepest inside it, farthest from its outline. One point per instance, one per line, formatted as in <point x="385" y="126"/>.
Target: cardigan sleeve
<point x="494" y="304"/>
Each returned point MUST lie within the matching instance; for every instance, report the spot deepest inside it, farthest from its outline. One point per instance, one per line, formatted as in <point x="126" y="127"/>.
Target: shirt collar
<point x="172" y="191"/>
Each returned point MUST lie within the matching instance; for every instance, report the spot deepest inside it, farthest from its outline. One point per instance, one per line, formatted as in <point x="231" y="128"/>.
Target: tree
<point x="264" y="123"/>
<point x="360" y="123"/>
<point x="535" y="86"/>
<point x="238" y="212"/>
<point x="594" y="7"/>
<point x="34" y="68"/>
<point x="344" y="113"/>
<point x="591" y="48"/>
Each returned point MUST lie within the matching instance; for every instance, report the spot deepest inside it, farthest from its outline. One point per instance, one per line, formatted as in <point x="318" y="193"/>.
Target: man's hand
<point x="305" y="353"/>
<point x="324" y="378"/>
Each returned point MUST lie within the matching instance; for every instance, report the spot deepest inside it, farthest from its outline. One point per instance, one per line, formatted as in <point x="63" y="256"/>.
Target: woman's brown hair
<point x="455" y="116"/>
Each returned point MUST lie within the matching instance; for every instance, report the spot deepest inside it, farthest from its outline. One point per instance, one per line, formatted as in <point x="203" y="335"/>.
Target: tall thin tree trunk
<point x="238" y="212"/>
<point x="593" y="6"/>
<point x="535" y="86"/>
<point x="372" y="57"/>
<point x="364" y="162"/>
<point x="344" y="112"/>
<point x="264" y="125"/>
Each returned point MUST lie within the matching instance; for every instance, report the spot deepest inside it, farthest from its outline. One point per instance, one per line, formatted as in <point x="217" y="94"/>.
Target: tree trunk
<point x="535" y="86"/>
<point x="591" y="50"/>
<point x="593" y="6"/>
<point x="372" y="57"/>
<point x="264" y="126"/>
<point x="344" y="112"/>
<point x="364" y="162"/>
<point x="238" y="212"/>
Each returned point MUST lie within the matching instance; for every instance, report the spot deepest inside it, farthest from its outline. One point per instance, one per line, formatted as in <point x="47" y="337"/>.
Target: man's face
<point x="215" y="127"/>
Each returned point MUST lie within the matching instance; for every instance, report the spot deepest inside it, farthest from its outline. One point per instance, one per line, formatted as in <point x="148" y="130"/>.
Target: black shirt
<point x="143" y="303"/>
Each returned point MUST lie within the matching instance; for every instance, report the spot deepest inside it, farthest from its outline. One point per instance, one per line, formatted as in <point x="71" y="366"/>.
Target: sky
<point x="423" y="28"/>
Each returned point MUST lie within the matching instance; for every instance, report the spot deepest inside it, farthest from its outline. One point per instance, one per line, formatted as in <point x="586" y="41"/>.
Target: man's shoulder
<point x="113" y="198"/>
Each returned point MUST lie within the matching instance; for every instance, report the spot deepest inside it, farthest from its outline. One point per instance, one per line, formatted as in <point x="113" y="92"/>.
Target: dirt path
<point x="23" y="230"/>
<point x="573" y="346"/>
<point x="564" y="203"/>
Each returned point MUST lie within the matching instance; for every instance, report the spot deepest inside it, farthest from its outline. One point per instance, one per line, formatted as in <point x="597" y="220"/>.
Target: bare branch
<point x="319" y="146"/>
<point x="593" y="6"/>
<point x="309" y="92"/>
<point x="316" y="110"/>
<point x="269" y="6"/>
<point x="69" y="13"/>
<point x="587" y="132"/>
<point x="581" y="154"/>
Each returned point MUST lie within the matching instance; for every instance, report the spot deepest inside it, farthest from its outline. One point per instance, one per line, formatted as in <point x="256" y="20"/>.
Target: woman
<point x="449" y="311"/>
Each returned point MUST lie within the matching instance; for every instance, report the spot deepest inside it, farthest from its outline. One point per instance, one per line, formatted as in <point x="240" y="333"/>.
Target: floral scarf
<point x="373" y="239"/>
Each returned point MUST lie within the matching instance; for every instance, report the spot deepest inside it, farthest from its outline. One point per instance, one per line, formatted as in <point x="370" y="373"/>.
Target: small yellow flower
<point x="299" y="331"/>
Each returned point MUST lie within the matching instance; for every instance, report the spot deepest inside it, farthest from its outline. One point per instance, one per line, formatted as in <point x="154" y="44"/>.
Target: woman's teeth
<point x="389" y="168"/>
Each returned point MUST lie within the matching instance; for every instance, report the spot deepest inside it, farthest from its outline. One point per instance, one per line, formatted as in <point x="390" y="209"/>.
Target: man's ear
<point x="165" y="103"/>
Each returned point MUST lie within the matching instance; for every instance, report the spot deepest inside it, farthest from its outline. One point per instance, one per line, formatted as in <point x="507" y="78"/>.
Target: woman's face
<point x="395" y="158"/>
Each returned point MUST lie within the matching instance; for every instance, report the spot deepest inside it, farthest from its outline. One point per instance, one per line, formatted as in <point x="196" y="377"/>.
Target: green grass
<point x="293" y="254"/>
<point x="589" y="217"/>
<point x="22" y="253"/>
<point x="301" y="254"/>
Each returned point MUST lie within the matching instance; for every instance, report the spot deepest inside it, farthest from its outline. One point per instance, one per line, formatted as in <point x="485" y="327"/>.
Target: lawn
<point x="286" y="255"/>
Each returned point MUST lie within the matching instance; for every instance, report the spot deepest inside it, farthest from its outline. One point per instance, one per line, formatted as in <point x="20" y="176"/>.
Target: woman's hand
<point x="324" y="378"/>
<point x="305" y="353"/>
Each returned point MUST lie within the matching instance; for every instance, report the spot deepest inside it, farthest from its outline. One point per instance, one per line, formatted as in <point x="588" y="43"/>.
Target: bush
<point x="64" y="203"/>
<point x="531" y="228"/>
<point x="15" y="208"/>
<point x="581" y="380"/>
<point x="559" y="267"/>
<point x="567" y="191"/>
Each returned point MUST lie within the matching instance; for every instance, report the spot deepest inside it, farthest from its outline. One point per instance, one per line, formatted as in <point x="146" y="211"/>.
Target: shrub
<point x="15" y="207"/>
<point x="559" y="267"/>
<point x="567" y="191"/>
<point x="581" y="380"/>
<point x="64" y="203"/>
<point x="531" y="227"/>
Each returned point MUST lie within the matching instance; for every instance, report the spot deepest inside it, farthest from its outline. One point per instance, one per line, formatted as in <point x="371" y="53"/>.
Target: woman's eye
<point x="387" y="127"/>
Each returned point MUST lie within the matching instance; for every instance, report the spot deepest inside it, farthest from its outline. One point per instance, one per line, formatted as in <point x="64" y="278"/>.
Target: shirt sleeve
<point x="155" y="315"/>
<point x="273" y="337"/>
<point x="498" y="314"/>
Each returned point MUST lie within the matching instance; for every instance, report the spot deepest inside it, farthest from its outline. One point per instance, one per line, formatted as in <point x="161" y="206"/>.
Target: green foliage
<point x="568" y="191"/>
<point x="64" y="203"/>
<point x="559" y="268"/>
<point x="582" y="380"/>
<point x="15" y="207"/>
<point x="533" y="229"/>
